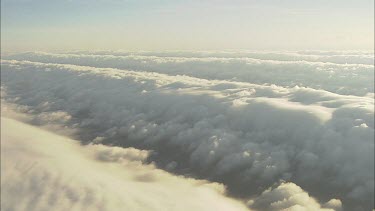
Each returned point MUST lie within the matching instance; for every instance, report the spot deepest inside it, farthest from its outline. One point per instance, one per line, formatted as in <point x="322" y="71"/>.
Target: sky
<point x="187" y="25"/>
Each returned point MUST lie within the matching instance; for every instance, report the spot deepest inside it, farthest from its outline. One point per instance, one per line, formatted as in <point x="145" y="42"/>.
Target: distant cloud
<point x="319" y="70"/>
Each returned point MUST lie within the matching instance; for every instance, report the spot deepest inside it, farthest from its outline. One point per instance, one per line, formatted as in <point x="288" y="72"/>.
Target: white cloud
<point x="247" y="136"/>
<point x="317" y="70"/>
<point x="43" y="171"/>
<point x="289" y="196"/>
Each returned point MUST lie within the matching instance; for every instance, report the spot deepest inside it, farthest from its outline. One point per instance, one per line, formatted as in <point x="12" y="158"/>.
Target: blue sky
<point x="187" y="25"/>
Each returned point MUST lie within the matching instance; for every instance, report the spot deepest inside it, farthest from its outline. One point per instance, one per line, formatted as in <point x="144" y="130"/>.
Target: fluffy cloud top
<point x="288" y="196"/>
<point x="245" y="135"/>
<point x="43" y="171"/>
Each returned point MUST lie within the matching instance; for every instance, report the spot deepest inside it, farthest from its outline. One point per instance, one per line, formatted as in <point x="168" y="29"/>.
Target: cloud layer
<point x="43" y="171"/>
<point x="207" y="124"/>
<point x="342" y="73"/>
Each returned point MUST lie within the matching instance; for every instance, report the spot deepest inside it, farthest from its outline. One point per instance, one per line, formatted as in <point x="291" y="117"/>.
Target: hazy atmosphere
<point x="192" y="25"/>
<point x="187" y="105"/>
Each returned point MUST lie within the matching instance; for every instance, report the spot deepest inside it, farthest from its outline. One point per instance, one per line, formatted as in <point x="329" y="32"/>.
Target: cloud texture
<point x="43" y="171"/>
<point x="338" y="72"/>
<point x="212" y="123"/>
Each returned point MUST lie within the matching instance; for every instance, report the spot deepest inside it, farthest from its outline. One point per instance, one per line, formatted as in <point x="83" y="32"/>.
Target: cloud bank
<point x="248" y="136"/>
<point x="44" y="171"/>
<point x="315" y="70"/>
